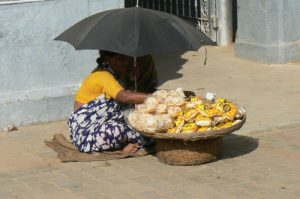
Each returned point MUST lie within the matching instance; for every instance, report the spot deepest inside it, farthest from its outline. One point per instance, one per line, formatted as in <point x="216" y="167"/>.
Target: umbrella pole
<point x="135" y="78"/>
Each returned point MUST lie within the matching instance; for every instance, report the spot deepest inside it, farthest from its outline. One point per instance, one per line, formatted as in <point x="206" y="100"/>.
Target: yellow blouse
<point x="96" y="84"/>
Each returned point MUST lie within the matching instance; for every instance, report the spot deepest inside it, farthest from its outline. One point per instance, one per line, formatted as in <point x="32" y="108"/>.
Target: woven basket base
<point x="180" y="153"/>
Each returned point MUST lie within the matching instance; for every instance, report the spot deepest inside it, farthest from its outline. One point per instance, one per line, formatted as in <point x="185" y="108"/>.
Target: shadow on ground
<point x="238" y="145"/>
<point x="168" y="66"/>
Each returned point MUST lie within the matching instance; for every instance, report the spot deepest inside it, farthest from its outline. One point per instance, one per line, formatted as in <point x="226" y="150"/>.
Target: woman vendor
<point x="97" y="122"/>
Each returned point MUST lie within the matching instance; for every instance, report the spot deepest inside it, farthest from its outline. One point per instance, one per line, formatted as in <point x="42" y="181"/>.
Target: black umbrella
<point x="135" y="32"/>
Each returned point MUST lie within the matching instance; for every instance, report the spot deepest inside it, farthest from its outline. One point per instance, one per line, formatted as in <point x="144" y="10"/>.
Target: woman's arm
<point x="130" y="97"/>
<point x="124" y="96"/>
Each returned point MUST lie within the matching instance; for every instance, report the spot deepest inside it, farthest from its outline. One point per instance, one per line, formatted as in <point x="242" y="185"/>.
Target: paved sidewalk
<point x="261" y="160"/>
<point x="256" y="165"/>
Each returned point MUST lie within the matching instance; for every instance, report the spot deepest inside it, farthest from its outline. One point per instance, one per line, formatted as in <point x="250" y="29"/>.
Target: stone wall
<point x="39" y="76"/>
<point x="268" y="30"/>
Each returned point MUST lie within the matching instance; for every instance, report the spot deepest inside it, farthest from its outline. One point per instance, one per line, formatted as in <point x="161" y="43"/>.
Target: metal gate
<point x="199" y="13"/>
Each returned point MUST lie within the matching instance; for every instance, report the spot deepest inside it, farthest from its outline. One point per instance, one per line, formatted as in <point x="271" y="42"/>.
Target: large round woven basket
<point x="180" y="153"/>
<point x="193" y="148"/>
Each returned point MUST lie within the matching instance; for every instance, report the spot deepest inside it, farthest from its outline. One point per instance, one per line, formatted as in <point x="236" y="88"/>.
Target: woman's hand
<point x="130" y="97"/>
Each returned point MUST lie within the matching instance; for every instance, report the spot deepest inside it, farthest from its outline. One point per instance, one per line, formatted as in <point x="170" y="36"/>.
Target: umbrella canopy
<point x="135" y="32"/>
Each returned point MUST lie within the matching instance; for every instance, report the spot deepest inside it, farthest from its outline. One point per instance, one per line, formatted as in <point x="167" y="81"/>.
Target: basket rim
<point x="197" y="136"/>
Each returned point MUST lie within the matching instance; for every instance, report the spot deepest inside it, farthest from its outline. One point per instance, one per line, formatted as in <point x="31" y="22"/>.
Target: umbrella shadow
<point x="168" y="65"/>
<point x="238" y="145"/>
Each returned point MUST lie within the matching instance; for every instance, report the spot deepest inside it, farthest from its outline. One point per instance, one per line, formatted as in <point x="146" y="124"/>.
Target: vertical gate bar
<point x="196" y="6"/>
<point x="183" y="7"/>
<point x="177" y="7"/>
<point x="171" y="6"/>
<point x="190" y="8"/>
<point x="165" y="5"/>
<point x="158" y="4"/>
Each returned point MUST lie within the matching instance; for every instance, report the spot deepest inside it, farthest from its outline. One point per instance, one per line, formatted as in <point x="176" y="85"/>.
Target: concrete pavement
<point x="261" y="160"/>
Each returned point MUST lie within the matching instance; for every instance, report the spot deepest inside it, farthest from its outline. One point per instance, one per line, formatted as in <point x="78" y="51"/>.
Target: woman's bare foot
<point x="131" y="148"/>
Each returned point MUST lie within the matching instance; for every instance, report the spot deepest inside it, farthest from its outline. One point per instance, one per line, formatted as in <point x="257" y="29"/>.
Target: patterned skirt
<point x="100" y="125"/>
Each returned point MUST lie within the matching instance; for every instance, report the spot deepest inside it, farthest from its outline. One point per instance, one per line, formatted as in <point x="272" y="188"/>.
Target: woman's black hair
<point x="104" y="54"/>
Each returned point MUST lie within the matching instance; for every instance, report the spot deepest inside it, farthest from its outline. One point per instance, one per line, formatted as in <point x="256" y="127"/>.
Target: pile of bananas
<point x="200" y="115"/>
